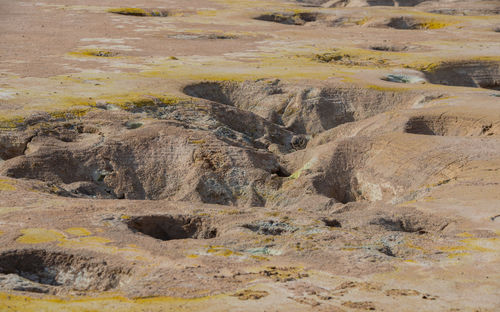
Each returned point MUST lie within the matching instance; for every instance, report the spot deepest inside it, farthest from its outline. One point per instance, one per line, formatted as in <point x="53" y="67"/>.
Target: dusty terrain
<point x="219" y="155"/>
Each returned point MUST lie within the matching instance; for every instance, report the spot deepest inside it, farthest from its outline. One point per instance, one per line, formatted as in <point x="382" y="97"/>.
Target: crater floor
<point x="217" y="155"/>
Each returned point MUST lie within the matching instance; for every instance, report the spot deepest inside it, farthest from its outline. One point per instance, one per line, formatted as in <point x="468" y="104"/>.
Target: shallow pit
<point x="474" y="73"/>
<point x="399" y="225"/>
<point x="411" y="23"/>
<point x="170" y="227"/>
<point x="409" y="220"/>
<point x="140" y="12"/>
<point x="331" y="222"/>
<point x="131" y="125"/>
<point x="389" y="48"/>
<point x="61" y="269"/>
<point x="100" y="53"/>
<point x="270" y="227"/>
<point x="386" y="250"/>
<point x="443" y="125"/>
<point x="300" y="18"/>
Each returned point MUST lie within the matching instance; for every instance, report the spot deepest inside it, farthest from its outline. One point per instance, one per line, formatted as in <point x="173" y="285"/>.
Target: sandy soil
<point x="223" y="155"/>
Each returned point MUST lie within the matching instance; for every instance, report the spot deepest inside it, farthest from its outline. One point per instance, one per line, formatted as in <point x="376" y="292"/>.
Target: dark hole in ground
<point x="212" y="91"/>
<point x="270" y="227"/>
<point x="289" y="18"/>
<point x="282" y="172"/>
<point x="386" y="250"/>
<point x="61" y="269"/>
<point x="168" y="227"/>
<point x="412" y="23"/>
<point x="418" y="125"/>
<point x="404" y="23"/>
<point x="399" y="225"/>
<point x="332" y="222"/>
<point x="389" y="48"/>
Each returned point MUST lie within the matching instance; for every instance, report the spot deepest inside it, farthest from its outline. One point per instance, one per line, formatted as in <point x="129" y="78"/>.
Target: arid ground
<point x="241" y="155"/>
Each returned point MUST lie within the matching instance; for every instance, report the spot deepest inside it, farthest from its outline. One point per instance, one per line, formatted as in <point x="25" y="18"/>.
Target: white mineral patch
<point x="5" y="95"/>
